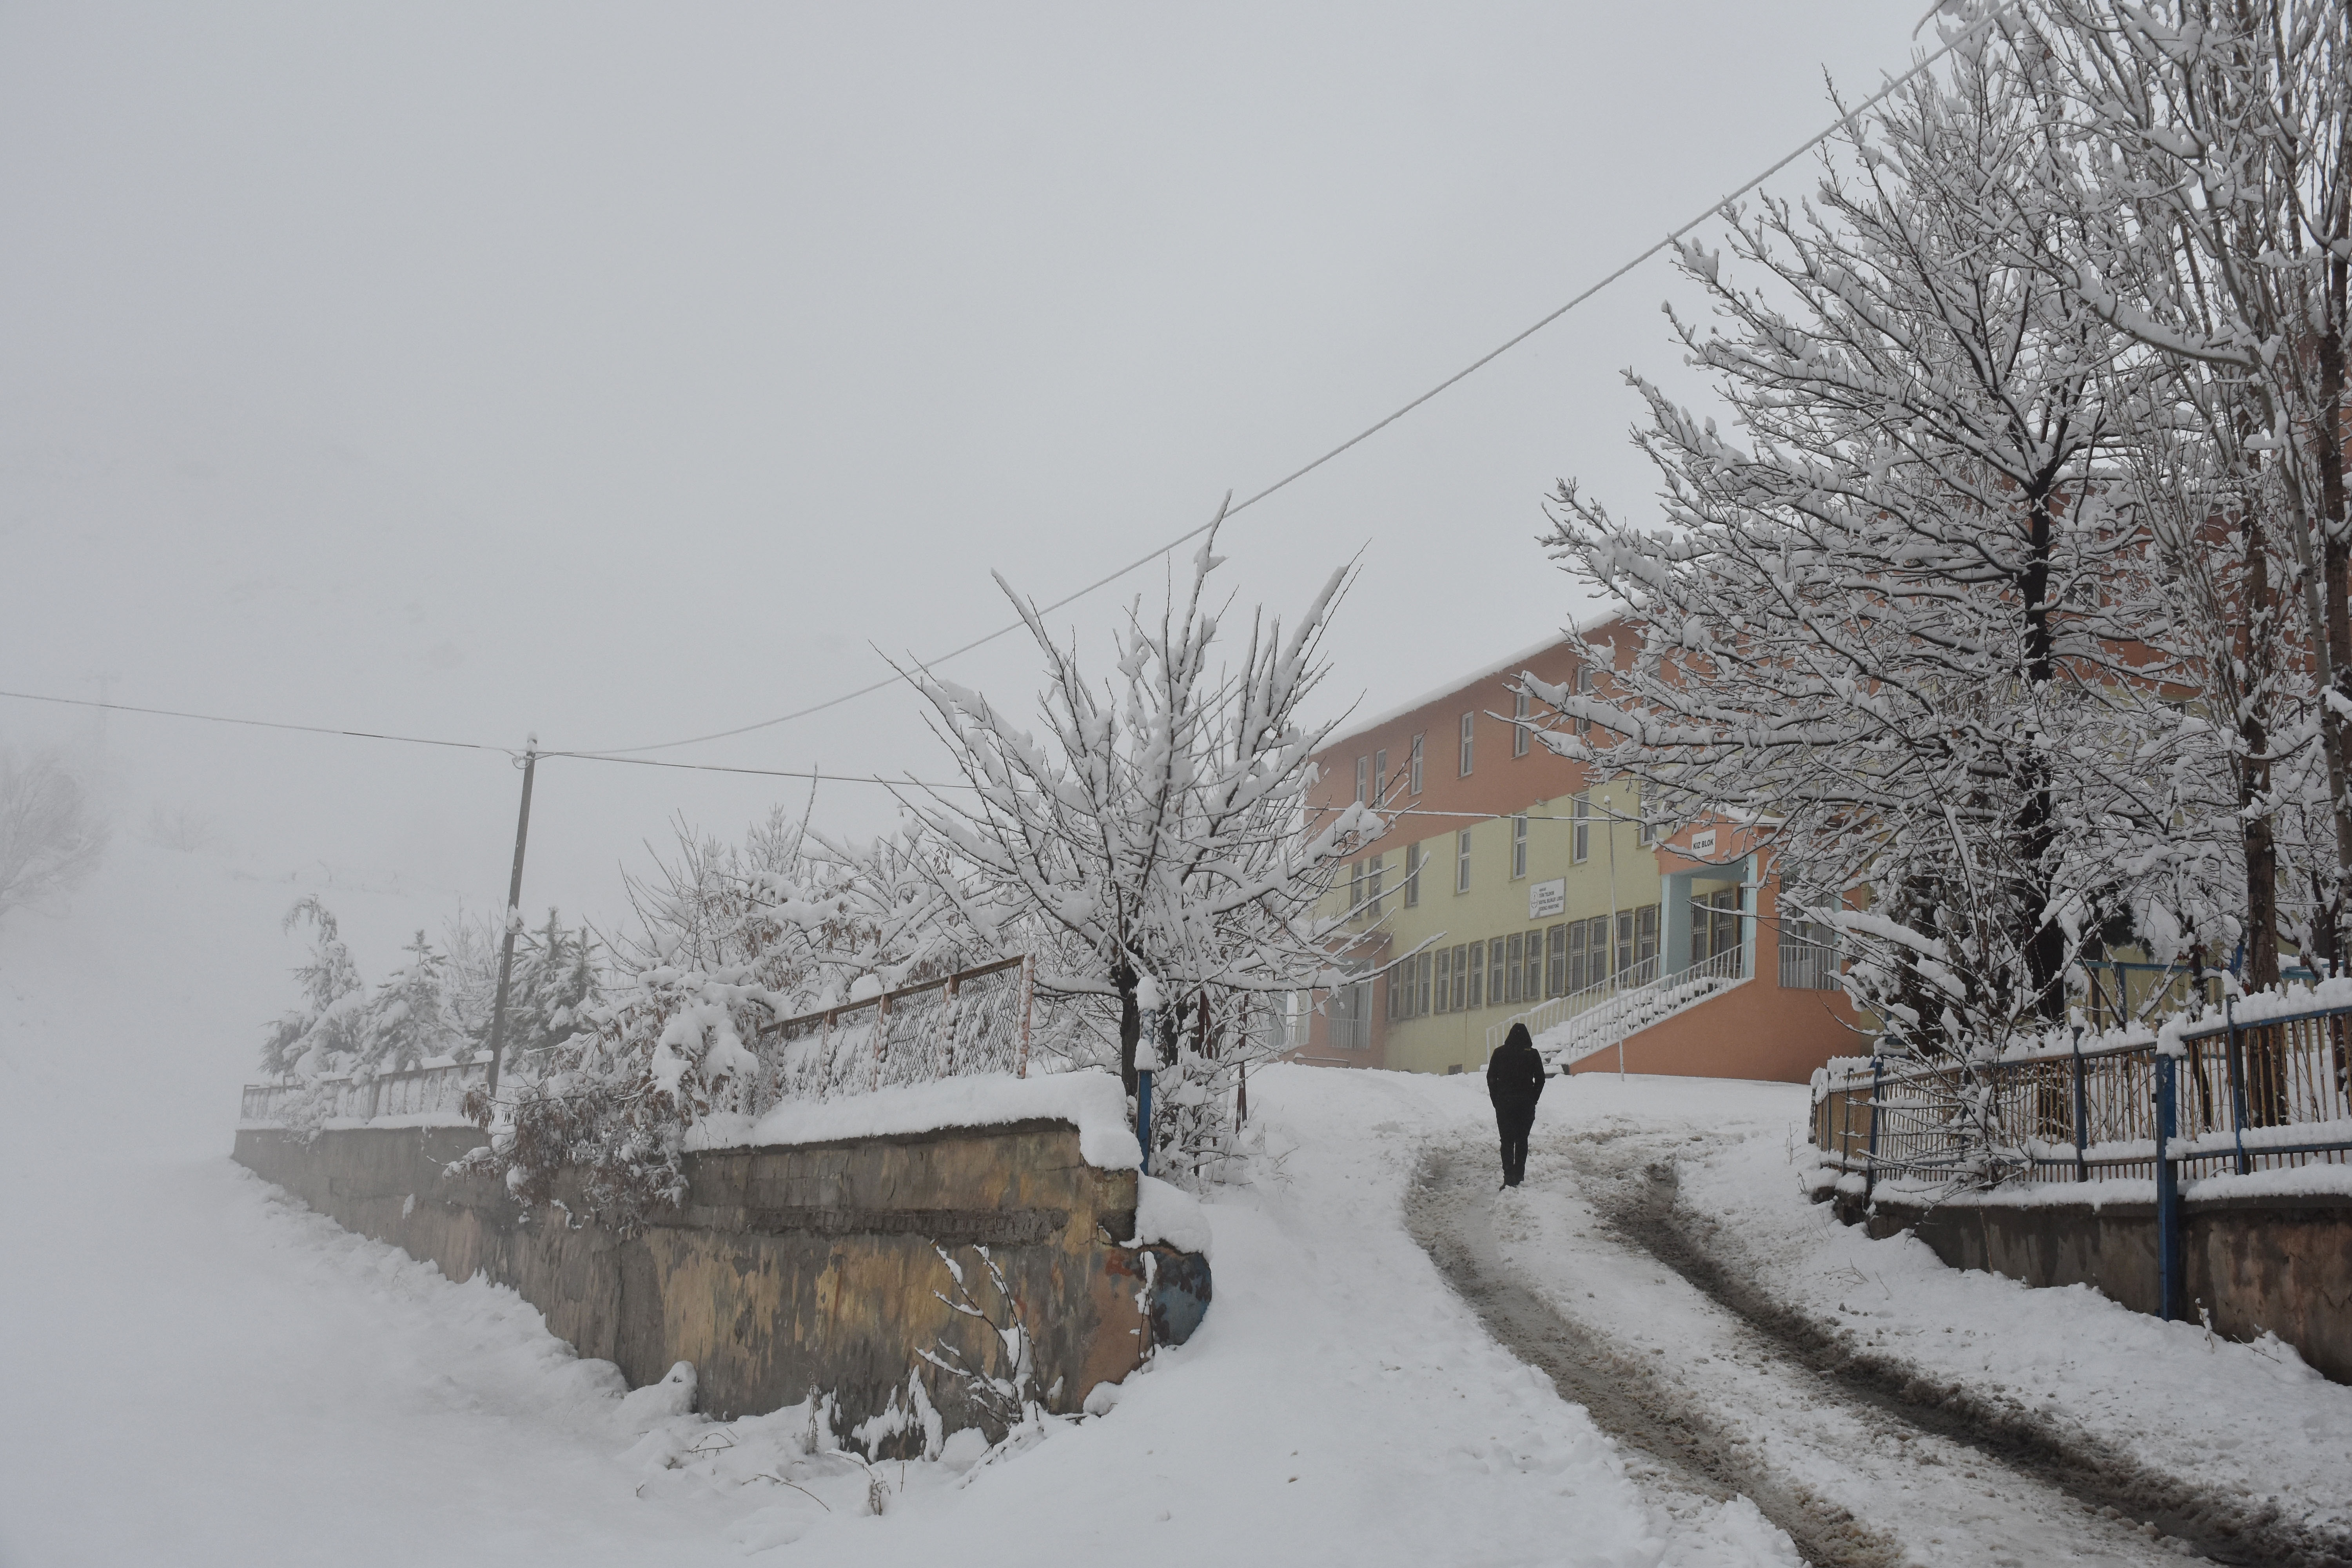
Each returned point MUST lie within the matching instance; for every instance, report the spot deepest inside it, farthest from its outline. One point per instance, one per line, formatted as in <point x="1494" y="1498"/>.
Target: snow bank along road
<point x="1953" y="1419"/>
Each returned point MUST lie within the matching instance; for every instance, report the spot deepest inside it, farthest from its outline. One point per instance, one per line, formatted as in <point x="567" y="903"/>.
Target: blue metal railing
<point x="2224" y="1096"/>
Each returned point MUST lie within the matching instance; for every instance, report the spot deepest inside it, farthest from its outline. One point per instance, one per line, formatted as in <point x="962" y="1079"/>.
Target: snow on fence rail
<point x="437" y="1088"/>
<point x="975" y="1020"/>
<point x="2234" y="1096"/>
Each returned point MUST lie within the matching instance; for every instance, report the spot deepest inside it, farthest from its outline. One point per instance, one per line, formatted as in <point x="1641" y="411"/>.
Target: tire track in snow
<point x="1635" y="1191"/>
<point x="1854" y="1480"/>
<point x="1672" y="1447"/>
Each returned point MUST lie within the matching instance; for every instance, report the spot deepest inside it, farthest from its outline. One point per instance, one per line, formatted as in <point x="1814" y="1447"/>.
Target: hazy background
<point x="628" y="373"/>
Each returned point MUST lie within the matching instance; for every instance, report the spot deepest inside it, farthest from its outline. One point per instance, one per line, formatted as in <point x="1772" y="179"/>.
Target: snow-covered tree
<point x="1898" y="620"/>
<point x="408" y="1020"/>
<point x="50" y="837"/>
<point x="329" y="1026"/>
<point x="2214" y="147"/>
<point x="1153" y="828"/>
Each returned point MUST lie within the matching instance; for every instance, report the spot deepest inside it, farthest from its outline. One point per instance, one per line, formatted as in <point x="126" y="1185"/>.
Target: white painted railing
<point x="1606" y="1021"/>
<point x="1552" y="1014"/>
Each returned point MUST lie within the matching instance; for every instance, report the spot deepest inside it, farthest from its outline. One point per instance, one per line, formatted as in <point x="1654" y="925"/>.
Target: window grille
<point x="1809" y="957"/>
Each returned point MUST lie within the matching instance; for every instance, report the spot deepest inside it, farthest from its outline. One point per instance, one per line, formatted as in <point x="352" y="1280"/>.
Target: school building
<point x="1515" y="885"/>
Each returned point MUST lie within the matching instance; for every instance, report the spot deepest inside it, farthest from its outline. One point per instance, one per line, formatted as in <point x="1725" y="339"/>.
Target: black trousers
<point x="1514" y="1125"/>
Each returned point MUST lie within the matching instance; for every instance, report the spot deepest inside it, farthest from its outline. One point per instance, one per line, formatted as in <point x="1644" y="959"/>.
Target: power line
<point x="764" y="773"/>
<point x="260" y="723"/>
<point x="475" y="745"/>
<point x="1368" y="431"/>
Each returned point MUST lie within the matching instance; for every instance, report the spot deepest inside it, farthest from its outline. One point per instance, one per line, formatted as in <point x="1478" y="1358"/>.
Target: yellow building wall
<point x="1496" y="905"/>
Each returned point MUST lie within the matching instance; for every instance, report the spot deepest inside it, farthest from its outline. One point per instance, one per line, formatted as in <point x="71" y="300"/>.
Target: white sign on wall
<point x="1547" y="898"/>
<point x="1703" y="844"/>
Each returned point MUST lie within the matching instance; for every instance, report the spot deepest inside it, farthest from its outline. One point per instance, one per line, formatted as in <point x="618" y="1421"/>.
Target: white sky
<point x="625" y="372"/>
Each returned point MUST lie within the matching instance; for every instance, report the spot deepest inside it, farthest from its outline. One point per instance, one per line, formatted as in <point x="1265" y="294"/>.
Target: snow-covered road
<point x="1719" y="1403"/>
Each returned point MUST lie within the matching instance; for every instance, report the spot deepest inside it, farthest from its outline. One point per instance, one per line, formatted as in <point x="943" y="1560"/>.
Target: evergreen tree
<point x="329" y="1025"/>
<point x="408" y="1020"/>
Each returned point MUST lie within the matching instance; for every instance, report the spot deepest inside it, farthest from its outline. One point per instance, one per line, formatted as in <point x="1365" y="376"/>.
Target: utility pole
<point x="514" y="916"/>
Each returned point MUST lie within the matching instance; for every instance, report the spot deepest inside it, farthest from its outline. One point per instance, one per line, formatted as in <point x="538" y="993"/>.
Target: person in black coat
<point x="1515" y="1081"/>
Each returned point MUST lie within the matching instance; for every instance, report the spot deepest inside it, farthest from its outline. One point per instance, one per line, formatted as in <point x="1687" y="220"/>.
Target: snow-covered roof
<point x="1578" y="626"/>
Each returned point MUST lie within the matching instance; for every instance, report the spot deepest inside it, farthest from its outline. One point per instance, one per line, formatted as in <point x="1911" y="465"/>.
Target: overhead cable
<point x="1368" y="431"/>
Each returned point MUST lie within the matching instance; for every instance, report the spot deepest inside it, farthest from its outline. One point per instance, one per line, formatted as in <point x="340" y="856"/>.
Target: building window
<point x="1413" y="766"/>
<point x="1467" y="721"/>
<point x="1714" y="927"/>
<point x="1354" y="887"/>
<point x="1495" y="963"/>
<point x="1579" y="965"/>
<point x="1648" y="830"/>
<point x="1477" y="974"/>
<point x="1512" y="964"/>
<point x="1351" y="1016"/>
<point x="1809" y="960"/>
<point x="1462" y="861"/>
<point x="1556" y="975"/>
<point x="1519" y="712"/>
<point x="1381" y="774"/>
<point x="1421" y="982"/>
<point x="1372" y="884"/>
<point x="1584" y="682"/>
<point x="1579" y="836"/>
<point x="1444" y="999"/>
<point x="1413" y="876"/>
<point x="1363" y="779"/>
<point x="1518" y="847"/>
<point x="1637" y="943"/>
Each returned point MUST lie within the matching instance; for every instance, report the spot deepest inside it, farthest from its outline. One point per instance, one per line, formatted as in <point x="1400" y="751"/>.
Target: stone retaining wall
<point x="2279" y="1264"/>
<point x="809" y="1266"/>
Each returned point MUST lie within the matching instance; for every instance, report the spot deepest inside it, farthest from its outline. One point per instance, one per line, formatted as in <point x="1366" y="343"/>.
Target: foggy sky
<point x="626" y="373"/>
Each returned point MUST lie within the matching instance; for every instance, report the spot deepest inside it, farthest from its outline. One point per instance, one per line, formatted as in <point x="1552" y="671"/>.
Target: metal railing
<point x="2266" y="1095"/>
<point x="2218" y="1097"/>
<point x="1636" y="998"/>
<point x="1550" y="1014"/>
<point x="438" y="1090"/>
<point x="974" y="1020"/>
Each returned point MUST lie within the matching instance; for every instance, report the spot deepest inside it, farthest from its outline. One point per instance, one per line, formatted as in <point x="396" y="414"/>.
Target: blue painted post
<point x="1870" y="1160"/>
<point x="2082" y="1111"/>
<point x="2235" y="1063"/>
<point x="2167" y="1192"/>
<point x="1143" y="1114"/>
<point x="1147" y="1061"/>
